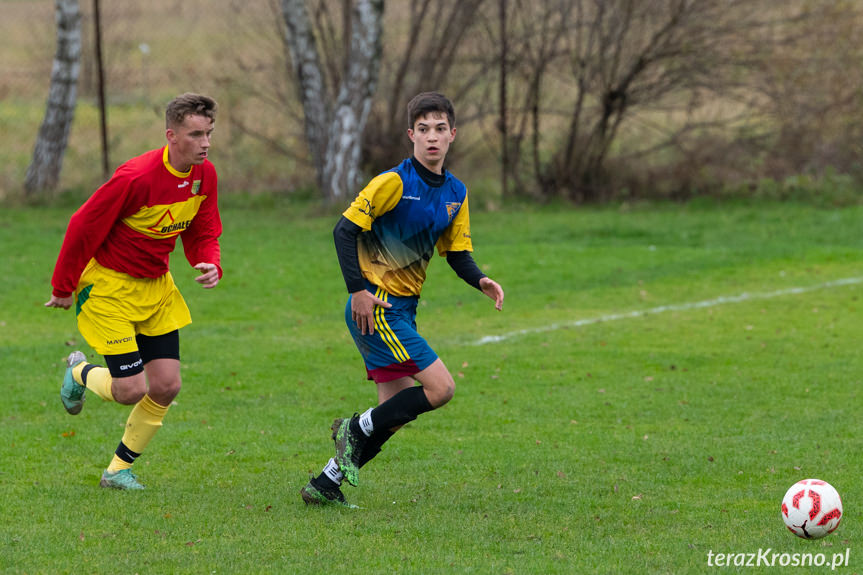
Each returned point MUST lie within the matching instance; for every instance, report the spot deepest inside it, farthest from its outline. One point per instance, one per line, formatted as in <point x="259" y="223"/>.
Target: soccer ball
<point x="811" y="509"/>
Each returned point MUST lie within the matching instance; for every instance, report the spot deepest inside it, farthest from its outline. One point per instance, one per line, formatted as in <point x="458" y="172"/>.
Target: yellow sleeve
<point x="377" y="198"/>
<point x="456" y="238"/>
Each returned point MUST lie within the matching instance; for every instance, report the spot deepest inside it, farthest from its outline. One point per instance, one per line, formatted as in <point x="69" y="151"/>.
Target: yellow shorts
<point x="113" y="307"/>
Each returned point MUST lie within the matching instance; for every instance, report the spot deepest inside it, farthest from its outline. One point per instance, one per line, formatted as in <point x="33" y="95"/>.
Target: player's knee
<point x="448" y="392"/>
<point x="174" y="388"/>
<point x="438" y="384"/>
<point x="128" y="384"/>
<point x="441" y="393"/>
<point x="164" y="392"/>
<point x="128" y="390"/>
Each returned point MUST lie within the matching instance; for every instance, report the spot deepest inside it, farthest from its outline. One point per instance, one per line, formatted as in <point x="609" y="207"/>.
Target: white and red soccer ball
<point x="811" y="509"/>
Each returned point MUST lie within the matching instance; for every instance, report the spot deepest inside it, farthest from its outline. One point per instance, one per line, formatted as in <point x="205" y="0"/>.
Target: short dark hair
<point x="189" y="104"/>
<point x="429" y="102"/>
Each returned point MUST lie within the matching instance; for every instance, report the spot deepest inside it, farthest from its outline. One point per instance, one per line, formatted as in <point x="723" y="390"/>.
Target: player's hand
<point x="363" y="310"/>
<point x="210" y="275"/>
<point x="493" y="290"/>
<point x="64" y="302"/>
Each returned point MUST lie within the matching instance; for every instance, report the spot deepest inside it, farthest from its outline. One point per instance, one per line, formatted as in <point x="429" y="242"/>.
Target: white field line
<point x="721" y="300"/>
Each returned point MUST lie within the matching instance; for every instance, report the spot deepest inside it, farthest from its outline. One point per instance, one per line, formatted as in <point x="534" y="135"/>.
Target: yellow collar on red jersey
<point x="171" y="168"/>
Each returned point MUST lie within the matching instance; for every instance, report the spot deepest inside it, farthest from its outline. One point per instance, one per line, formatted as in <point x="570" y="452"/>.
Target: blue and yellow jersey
<point x="404" y="217"/>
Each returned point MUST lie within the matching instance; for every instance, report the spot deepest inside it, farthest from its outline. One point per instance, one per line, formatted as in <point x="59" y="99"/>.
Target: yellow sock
<point x="76" y="372"/>
<point x="117" y="464"/>
<point x="98" y="380"/>
<point x="143" y="423"/>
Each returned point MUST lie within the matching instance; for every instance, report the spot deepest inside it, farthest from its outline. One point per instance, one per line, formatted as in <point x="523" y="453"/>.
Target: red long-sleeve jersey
<point x="131" y="223"/>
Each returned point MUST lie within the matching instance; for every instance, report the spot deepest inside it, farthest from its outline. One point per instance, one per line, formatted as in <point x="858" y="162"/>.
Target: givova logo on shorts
<point x="129" y="366"/>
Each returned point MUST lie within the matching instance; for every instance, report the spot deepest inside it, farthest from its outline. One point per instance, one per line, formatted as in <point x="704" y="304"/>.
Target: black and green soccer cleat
<point x="349" y="447"/>
<point x="314" y="495"/>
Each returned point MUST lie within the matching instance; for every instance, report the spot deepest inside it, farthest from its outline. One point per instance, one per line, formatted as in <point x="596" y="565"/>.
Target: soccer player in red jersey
<point x="384" y="242"/>
<point x="113" y="267"/>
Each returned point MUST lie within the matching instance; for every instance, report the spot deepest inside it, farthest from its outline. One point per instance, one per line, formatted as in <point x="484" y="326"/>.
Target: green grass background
<point x="635" y="445"/>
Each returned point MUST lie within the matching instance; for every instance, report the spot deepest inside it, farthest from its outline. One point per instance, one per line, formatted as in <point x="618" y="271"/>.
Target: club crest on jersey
<point x="452" y="209"/>
<point x="196" y="187"/>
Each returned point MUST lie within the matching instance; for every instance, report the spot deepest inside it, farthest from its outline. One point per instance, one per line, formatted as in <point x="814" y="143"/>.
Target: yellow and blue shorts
<point x="113" y="308"/>
<point x="395" y="349"/>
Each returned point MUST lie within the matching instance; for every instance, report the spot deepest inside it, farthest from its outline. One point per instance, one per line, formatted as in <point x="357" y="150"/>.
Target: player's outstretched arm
<point x="209" y="277"/>
<point x="63" y="302"/>
<point x="493" y="290"/>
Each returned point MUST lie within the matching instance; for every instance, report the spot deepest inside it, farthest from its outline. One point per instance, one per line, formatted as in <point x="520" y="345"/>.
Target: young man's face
<point x="190" y="142"/>
<point x="432" y="136"/>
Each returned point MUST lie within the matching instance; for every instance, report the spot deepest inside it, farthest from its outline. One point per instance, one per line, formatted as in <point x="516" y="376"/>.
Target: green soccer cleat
<point x="123" y="479"/>
<point x="314" y="495"/>
<point x="72" y="392"/>
<point x="349" y="448"/>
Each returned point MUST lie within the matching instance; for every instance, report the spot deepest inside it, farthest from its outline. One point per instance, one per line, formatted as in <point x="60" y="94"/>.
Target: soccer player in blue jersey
<point x="384" y="242"/>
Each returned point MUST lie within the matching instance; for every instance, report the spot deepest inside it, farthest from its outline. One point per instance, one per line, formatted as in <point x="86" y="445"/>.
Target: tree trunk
<point x="307" y="71"/>
<point x="342" y="165"/>
<point x="44" y="171"/>
<point x="334" y="129"/>
<point x="503" y="122"/>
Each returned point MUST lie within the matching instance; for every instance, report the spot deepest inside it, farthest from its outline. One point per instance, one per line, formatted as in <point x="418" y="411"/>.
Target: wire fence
<point x="152" y="51"/>
<point x="781" y="108"/>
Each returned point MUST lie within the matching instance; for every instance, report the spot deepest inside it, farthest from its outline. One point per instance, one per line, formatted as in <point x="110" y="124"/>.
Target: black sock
<point x="373" y="445"/>
<point x="126" y="454"/>
<point x="401" y="408"/>
<point x="324" y="482"/>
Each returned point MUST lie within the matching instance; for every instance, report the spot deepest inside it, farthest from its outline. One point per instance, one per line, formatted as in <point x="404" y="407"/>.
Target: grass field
<point x="585" y="439"/>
